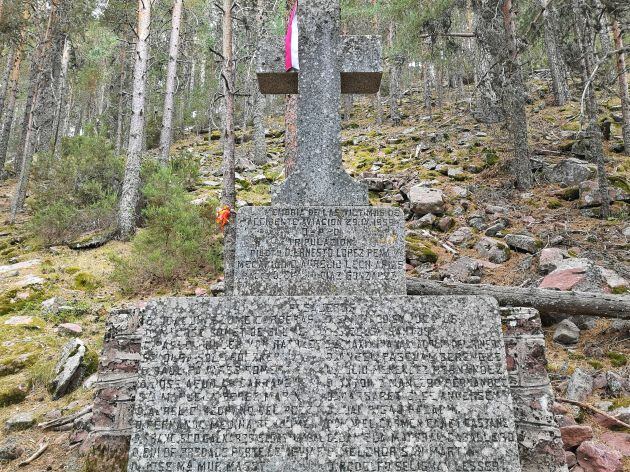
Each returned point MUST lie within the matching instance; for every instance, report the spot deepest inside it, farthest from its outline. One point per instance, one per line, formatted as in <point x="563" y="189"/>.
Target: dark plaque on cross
<point x="330" y="64"/>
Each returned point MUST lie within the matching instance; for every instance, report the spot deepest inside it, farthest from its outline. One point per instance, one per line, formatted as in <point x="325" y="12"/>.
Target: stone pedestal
<point x="324" y="383"/>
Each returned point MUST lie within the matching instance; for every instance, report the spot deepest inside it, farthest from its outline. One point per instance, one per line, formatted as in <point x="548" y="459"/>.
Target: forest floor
<point x="80" y="281"/>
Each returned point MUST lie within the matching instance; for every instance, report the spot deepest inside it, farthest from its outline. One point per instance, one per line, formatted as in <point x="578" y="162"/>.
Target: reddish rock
<point x="71" y="329"/>
<point x="598" y="458"/>
<point x="559" y="409"/>
<point x="618" y="441"/>
<point x="566" y="420"/>
<point x="570" y="458"/>
<point x="563" y="279"/>
<point x="575" y="435"/>
<point x="200" y="292"/>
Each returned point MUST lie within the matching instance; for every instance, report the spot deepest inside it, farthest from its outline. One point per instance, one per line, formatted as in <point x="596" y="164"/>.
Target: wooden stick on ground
<point x="38" y="453"/>
<point x="602" y="305"/>
<point x="586" y="406"/>
<point x="66" y="419"/>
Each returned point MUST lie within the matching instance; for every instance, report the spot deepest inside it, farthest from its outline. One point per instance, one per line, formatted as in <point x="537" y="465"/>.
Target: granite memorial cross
<point x="330" y="64"/>
<point x="320" y="363"/>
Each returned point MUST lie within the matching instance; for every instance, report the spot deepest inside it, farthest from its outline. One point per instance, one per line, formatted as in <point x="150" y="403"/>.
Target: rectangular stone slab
<point x="323" y="384"/>
<point x="320" y="250"/>
<point x="361" y="69"/>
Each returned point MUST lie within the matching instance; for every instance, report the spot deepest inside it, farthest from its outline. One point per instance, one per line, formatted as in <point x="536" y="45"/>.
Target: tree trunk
<point x="514" y="89"/>
<point x="585" y="27"/>
<point x="623" y="86"/>
<point x="5" y="131"/>
<point x="258" y="105"/>
<point x="228" y="196"/>
<point x="426" y="85"/>
<point x="488" y="107"/>
<point x="4" y="85"/>
<point x="545" y="301"/>
<point x="61" y="92"/>
<point x="557" y="66"/>
<point x="37" y="116"/>
<point x="394" y="88"/>
<point x="348" y="105"/>
<point x="120" y="115"/>
<point x="171" y="75"/>
<point x="131" y="183"/>
<point x="378" y="108"/>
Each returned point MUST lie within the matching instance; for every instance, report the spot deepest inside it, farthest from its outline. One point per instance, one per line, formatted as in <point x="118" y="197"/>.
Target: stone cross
<point x="330" y="65"/>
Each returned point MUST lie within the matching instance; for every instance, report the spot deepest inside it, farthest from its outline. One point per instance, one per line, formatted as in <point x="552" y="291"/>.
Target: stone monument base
<point x="324" y="384"/>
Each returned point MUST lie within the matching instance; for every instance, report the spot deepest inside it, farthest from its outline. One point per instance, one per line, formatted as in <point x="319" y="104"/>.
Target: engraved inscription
<point x="323" y="250"/>
<point x="324" y="384"/>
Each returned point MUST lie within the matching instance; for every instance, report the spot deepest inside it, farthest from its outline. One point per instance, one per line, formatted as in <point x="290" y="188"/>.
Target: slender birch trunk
<point x="61" y="93"/>
<point x="5" y="131"/>
<point x="622" y="77"/>
<point x="120" y="115"/>
<point x="131" y="183"/>
<point x="426" y="85"/>
<point x="166" y="136"/>
<point x="228" y="196"/>
<point x="260" y="145"/>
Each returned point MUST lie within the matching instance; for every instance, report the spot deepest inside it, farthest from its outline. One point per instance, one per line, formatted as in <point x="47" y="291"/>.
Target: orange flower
<point x="223" y="216"/>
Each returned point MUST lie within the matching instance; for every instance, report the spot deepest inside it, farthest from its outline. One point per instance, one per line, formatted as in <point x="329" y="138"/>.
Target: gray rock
<point x="626" y="232"/>
<point x="590" y="195"/>
<point x="584" y="322"/>
<point x="571" y="171"/>
<point x="477" y="221"/>
<point x="523" y="243"/>
<point x="425" y="200"/>
<point x="549" y="259"/>
<point x="620" y="326"/>
<point x="20" y="421"/>
<point x="426" y="221"/>
<point x="10" y="449"/>
<point x="69" y="370"/>
<point x="580" y="385"/>
<point x="566" y="333"/>
<point x="496" y="227"/>
<point x="622" y="414"/>
<point x="616" y="384"/>
<point x="493" y="250"/>
<point x="430" y="165"/>
<point x="463" y="270"/>
<point x="461" y="236"/>
<point x="455" y="172"/>
<point x="446" y="223"/>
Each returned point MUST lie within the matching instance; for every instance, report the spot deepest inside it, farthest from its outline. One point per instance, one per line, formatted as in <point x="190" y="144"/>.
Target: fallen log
<point x="545" y="301"/>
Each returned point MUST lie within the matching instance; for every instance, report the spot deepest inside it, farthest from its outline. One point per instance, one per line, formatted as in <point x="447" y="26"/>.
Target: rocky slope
<point x="465" y="222"/>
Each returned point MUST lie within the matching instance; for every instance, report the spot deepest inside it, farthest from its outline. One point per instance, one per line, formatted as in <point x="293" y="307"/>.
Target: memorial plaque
<point x="324" y="384"/>
<point x="320" y="250"/>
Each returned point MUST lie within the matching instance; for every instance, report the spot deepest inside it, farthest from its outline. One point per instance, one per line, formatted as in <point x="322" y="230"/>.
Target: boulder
<point x="446" y="223"/>
<point x="6" y="269"/>
<point x="590" y="195"/>
<point x="493" y="250"/>
<point x="71" y="329"/>
<point x="619" y="442"/>
<point x="70" y="369"/>
<point x="573" y="436"/>
<point x="614" y="281"/>
<point x="29" y="322"/>
<point x="461" y="236"/>
<point x="566" y="333"/>
<point x="570" y="458"/>
<point x="523" y="243"/>
<point x="10" y="449"/>
<point x="549" y="259"/>
<point x="580" y="385"/>
<point x="598" y="458"/>
<point x="497" y="226"/>
<point x="464" y="269"/>
<point x="571" y="171"/>
<point x="574" y="274"/>
<point x="20" y="421"/>
<point x="425" y="200"/>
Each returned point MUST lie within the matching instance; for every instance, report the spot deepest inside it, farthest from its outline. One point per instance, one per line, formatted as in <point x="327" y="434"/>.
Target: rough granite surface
<point x="324" y="384"/>
<point x="320" y="250"/>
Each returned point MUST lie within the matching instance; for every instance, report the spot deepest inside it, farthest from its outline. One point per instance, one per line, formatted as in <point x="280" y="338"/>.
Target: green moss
<point x="13" y="390"/>
<point x="619" y="182"/>
<point x="13" y="364"/>
<point x="621" y="402"/>
<point x="574" y="356"/>
<point x="570" y="194"/>
<point x="490" y="156"/>
<point x="422" y="251"/>
<point x="617" y="359"/>
<point x="72" y="270"/>
<point x="91" y="362"/>
<point x="388" y="150"/>
<point x="42" y="373"/>
<point x="86" y="282"/>
<point x="595" y="364"/>
<point x="619" y="290"/>
<point x="9" y="303"/>
<point x="553" y="203"/>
